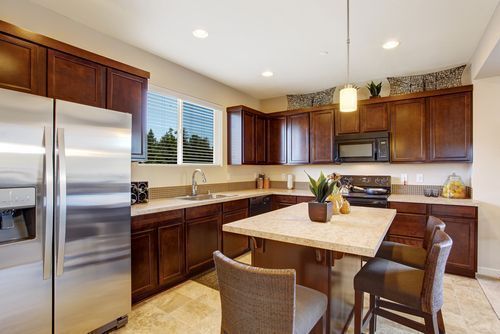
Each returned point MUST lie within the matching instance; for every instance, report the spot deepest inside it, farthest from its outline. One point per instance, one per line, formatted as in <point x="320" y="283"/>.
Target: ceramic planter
<point x="320" y="212"/>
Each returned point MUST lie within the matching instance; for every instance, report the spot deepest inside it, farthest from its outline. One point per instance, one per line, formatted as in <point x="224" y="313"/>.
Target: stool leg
<point x="373" y="319"/>
<point x="358" y="311"/>
<point x="431" y="324"/>
<point x="440" y="319"/>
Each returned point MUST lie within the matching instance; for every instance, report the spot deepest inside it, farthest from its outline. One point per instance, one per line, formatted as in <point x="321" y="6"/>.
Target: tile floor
<point x="194" y="308"/>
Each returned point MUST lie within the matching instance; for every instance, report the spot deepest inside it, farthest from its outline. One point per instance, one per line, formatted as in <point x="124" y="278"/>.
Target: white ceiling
<point x="286" y="36"/>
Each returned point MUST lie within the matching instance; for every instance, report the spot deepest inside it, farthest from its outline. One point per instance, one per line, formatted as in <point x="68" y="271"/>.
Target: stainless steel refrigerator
<point x="65" y="216"/>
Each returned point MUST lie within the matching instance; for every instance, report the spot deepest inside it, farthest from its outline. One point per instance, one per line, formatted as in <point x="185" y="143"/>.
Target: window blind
<point x="198" y="134"/>
<point x="162" y="122"/>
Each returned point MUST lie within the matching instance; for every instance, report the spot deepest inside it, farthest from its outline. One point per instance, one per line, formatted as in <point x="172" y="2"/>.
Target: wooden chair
<point x="404" y="289"/>
<point x="409" y="255"/>
<point x="258" y="300"/>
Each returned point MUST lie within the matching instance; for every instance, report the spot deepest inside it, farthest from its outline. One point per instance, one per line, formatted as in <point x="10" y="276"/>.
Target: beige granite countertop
<point x="167" y="204"/>
<point x="361" y="232"/>
<point x="431" y="200"/>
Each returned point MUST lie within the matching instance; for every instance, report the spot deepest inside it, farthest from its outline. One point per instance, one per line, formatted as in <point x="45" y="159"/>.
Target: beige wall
<point x="485" y="171"/>
<point x="163" y="74"/>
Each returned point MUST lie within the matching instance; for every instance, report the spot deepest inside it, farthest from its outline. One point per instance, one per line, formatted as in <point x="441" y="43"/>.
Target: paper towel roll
<point x="289" y="181"/>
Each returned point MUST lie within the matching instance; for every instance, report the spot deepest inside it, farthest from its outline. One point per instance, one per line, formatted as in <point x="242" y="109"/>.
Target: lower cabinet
<point x="282" y="201"/>
<point x="409" y="224"/>
<point x="144" y="262"/>
<point x="234" y="245"/>
<point x="171" y="250"/>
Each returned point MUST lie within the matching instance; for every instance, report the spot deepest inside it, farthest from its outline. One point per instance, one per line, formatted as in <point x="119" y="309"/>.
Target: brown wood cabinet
<point x="171" y="252"/>
<point x="144" y="262"/>
<point x="128" y="93"/>
<point x="408" y="131"/>
<point x="450" y="121"/>
<point x="260" y="139"/>
<point x="298" y="139"/>
<point x="276" y="144"/>
<point x="234" y="245"/>
<point x="246" y="136"/>
<point x="408" y="227"/>
<point x="202" y="236"/>
<point x="75" y="79"/>
<point x="25" y="66"/>
<point x="283" y="201"/>
<point x="374" y="117"/>
<point x="346" y="122"/>
<point x="322" y="134"/>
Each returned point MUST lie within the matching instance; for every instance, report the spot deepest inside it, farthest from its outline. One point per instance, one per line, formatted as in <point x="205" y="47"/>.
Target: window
<point x="198" y="122"/>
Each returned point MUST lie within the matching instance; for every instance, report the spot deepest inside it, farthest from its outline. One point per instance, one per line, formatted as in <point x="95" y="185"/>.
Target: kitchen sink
<point x="203" y="197"/>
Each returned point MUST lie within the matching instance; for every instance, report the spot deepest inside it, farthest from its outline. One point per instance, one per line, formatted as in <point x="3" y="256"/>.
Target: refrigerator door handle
<point x="61" y="204"/>
<point x="48" y="203"/>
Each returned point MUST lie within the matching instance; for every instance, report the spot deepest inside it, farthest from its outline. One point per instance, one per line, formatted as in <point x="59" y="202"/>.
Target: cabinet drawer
<point x="233" y="216"/>
<point x="453" y="211"/>
<point x="402" y="207"/>
<point x="408" y="225"/>
<point x="203" y="211"/>
<point x="235" y="205"/>
<point x="285" y="199"/>
<point x="302" y="199"/>
<point x="417" y="242"/>
<point x="152" y="220"/>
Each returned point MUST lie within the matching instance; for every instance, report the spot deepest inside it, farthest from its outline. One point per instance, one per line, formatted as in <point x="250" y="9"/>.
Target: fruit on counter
<point x="454" y="187"/>
<point x="346" y="208"/>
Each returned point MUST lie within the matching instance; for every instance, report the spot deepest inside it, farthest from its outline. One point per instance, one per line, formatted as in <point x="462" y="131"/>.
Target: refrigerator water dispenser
<point x="17" y="214"/>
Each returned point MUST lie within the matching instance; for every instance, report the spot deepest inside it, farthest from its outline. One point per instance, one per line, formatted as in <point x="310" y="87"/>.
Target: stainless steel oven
<point x="362" y="147"/>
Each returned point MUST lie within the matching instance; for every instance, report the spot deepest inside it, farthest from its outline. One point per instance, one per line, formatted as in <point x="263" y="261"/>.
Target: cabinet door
<point x="23" y="66"/>
<point x="75" y="79"/>
<point x="463" y="256"/>
<point x="128" y="93"/>
<point x="260" y="140"/>
<point x="322" y="133"/>
<point x="346" y="122"/>
<point x="171" y="252"/>
<point x="374" y="117"/>
<point x="248" y="138"/>
<point x="144" y="262"/>
<point x="298" y="139"/>
<point x="276" y="140"/>
<point x="233" y="244"/>
<point x="450" y="127"/>
<point x="408" y="129"/>
<point x="202" y="239"/>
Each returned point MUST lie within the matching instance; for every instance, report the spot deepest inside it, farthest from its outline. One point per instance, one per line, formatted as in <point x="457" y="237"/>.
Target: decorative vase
<point x="374" y="97"/>
<point x="320" y="212"/>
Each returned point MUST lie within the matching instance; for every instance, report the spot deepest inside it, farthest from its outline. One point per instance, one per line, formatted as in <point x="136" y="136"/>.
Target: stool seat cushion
<point x="404" y="254"/>
<point x="391" y="280"/>
<point x="309" y="308"/>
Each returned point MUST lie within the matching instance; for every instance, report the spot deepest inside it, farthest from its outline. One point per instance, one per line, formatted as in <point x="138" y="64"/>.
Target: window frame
<point x="217" y="131"/>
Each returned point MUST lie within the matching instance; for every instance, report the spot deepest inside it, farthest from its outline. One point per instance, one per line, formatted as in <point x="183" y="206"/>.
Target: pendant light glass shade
<point x="348" y="99"/>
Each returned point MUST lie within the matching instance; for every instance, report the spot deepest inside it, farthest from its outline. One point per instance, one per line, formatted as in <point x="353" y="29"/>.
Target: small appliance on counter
<point x="371" y="191"/>
<point x="139" y="192"/>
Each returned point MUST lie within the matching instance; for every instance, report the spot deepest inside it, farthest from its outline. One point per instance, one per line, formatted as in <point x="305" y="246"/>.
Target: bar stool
<point x="409" y="255"/>
<point x="258" y="300"/>
<point x="405" y="289"/>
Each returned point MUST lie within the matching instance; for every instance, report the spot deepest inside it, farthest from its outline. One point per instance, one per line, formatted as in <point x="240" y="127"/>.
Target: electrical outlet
<point x="283" y="177"/>
<point x="420" y="178"/>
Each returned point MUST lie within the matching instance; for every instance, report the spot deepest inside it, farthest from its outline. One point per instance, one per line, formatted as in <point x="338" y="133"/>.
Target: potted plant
<point x="320" y="210"/>
<point x="374" y="89"/>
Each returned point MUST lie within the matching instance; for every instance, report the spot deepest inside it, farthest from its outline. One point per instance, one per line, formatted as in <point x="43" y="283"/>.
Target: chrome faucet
<point x="194" y="184"/>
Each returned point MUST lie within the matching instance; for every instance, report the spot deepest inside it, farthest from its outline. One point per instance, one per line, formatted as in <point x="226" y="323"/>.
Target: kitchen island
<point x="326" y="256"/>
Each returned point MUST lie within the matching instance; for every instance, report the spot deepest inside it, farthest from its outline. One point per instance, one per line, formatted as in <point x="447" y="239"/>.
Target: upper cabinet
<point x="321" y="137"/>
<point x="298" y="139"/>
<point x="128" y="93"/>
<point x="23" y="65"/>
<point x="36" y="64"/>
<point x="276" y="143"/>
<point x="374" y="117"/>
<point x="75" y="79"/>
<point x="246" y="136"/>
<point x="408" y="131"/>
<point x="346" y="122"/>
<point x="450" y="121"/>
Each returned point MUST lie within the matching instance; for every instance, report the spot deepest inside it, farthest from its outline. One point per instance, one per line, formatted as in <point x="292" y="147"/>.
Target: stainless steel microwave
<point x="362" y="147"/>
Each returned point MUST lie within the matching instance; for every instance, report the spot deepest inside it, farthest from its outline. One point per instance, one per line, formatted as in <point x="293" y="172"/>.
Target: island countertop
<point x="361" y="232"/>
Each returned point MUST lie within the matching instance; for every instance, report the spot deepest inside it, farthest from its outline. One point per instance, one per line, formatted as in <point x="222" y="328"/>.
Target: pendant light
<point x="348" y="94"/>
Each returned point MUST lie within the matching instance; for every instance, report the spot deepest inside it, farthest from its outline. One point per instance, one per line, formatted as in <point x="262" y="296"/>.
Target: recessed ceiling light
<point x="323" y="53"/>
<point x="200" y="33"/>
<point x="267" y="74"/>
<point x="390" y="44"/>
